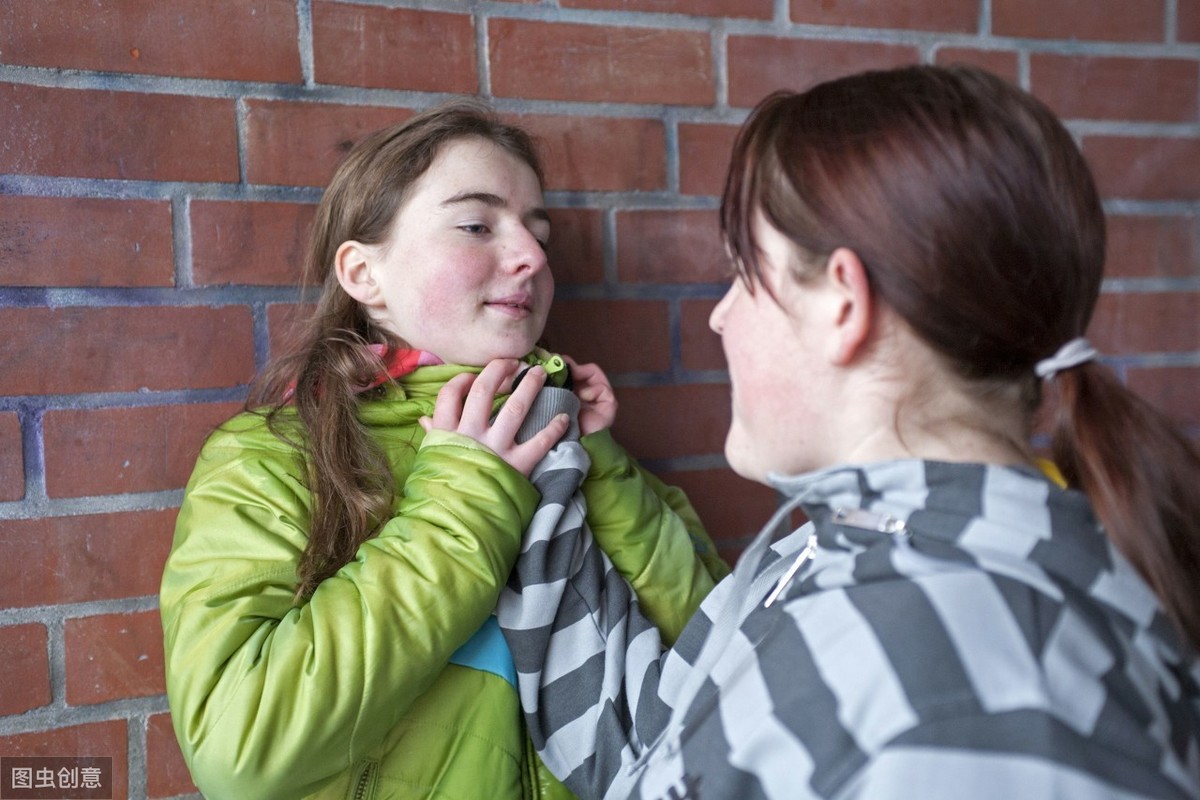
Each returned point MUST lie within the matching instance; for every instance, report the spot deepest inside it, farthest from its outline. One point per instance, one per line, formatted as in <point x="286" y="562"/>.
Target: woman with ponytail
<point x="327" y="603"/>
<point x="917" y="254"/>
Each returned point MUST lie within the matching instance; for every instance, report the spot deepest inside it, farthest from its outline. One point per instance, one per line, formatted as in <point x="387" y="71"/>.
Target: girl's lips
<point x="515" y="305"/>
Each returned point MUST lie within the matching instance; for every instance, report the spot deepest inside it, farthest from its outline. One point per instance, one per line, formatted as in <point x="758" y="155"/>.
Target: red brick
<point x="619" y="335"/>
<point x="393" y="48"/>
<point x="1145" y="168"/>
<point x="704" y="152"/>
<point x="1098" y="87"/>
<point x="656" y="422"/>
<point x="26" y="668"/>
<point x="576" y="246"/>
<point x="670" y="247"/>
<point x="732" y="508"/>
<point x="998" y="62"/>
<point x="114" y="656"/>
<point x="701" y="346"/>
<point x="124" y="349"/>
<point x="755" y="9"/>
<point x="759" y="65"/>
<point x="100" y="739"/>
<point x="300" y="144"/>
<point x="12" y="458"/>
<point x="89" y="134"/>
<point x="1153" y="247"/>
<point x="1105" y="20"/>
<point x="118" y="450"/>
<point x="166" y="772"/>
<point x="929" y="15"/>
<point x="559" y="61"/>
<point x="1173" y="390"/>
<point x="1150" y="322"/>
<point x="78" y="559"/>
<point x="260" y="244"/>
<point x="1189" y="20"/>
<point x="251" y="40"/>
<point x="77" y="241"/>
<point x="600" y="154"/>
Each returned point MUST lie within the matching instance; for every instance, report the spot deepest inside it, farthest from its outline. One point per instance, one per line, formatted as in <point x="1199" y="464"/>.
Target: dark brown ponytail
<point x="1143" y="478"/>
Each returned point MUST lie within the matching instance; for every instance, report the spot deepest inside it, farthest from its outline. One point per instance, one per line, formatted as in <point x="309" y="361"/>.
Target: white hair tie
<point x="1072" y="354"/>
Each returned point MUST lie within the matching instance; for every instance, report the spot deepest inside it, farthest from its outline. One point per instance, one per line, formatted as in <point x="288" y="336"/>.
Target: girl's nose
<point x="526" y="253"/>
<point x="716" y="320"/>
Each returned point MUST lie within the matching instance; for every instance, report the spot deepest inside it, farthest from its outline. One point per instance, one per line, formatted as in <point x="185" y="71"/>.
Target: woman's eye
<point x="474" y="228"/>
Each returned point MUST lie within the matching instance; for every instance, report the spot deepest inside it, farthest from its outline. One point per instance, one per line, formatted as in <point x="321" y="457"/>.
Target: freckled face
<point x="463" y="274"/>
<point x="775" y="371"/>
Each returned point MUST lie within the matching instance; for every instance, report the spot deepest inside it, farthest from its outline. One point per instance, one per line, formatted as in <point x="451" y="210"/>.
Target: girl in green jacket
<point x="327" y="602"/>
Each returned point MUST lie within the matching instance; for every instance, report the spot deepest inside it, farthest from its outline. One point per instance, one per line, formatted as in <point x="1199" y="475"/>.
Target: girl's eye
<point x="474" y="228"/>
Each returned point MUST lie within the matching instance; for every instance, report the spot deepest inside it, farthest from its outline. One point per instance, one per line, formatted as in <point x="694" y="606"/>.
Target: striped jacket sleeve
<point x="588" y="661"/>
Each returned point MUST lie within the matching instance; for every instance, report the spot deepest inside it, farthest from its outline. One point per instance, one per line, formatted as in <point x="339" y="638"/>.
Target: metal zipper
<point x="870" y="521"/>
<point x="364" y="781"/>
<point x="850" y="517"/>
<point x="806" y="555"/>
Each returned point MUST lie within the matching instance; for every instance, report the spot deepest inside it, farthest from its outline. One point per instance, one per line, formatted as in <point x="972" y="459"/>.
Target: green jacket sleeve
<point x="652" y="535"/>
<point x="258" y="685"/>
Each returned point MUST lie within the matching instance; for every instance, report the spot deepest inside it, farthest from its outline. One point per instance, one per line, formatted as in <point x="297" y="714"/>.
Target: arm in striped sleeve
<point x="587" y="659"/>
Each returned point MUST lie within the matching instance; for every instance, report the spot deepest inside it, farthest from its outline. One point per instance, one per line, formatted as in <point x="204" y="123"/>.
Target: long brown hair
<point x="347" y="473"/>
<point x="977" y="220"/>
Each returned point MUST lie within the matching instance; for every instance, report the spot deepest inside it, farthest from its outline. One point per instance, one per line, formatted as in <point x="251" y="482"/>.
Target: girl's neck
<point x="948" y="442"/>
<point x="910" y="406"/>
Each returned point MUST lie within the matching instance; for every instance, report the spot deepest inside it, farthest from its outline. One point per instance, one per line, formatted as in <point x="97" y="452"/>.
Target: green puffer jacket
<point x="350" y="695"/>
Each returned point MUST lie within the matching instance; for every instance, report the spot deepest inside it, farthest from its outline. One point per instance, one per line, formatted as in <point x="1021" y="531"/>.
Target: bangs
<point x="748" y="163"/>
<point x="759" y="181"/>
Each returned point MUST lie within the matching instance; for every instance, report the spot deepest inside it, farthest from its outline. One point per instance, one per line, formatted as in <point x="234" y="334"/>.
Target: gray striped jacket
<point x="935" y="631"/>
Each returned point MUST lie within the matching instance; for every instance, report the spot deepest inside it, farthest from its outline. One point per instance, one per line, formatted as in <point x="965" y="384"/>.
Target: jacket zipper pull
<point x="810" y="549"/>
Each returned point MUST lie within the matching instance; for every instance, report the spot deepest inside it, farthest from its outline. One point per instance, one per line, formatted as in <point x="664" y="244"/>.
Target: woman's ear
<point x="852" y="323"/>
<point x="353" y="264"/>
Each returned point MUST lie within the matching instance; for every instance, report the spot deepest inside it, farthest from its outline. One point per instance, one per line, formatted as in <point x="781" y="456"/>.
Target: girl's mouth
<point x="520" y="304"/>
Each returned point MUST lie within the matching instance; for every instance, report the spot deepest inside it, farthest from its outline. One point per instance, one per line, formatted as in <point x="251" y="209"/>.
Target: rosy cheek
<point x="447" y="287"/>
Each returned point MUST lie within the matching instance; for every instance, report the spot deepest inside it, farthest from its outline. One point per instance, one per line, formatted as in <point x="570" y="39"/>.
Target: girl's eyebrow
<point x="490" y="199"/>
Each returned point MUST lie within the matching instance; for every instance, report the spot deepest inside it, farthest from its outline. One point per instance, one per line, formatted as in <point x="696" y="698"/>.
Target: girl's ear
<point x="852" y="322"/>
<point x="353" y="264"/>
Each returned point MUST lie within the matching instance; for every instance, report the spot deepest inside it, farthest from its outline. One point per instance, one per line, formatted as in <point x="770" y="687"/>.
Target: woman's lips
<point x="515" y="305"/>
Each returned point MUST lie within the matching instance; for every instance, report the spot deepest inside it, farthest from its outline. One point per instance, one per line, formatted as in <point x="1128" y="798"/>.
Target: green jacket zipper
<point x="363" y="787"/>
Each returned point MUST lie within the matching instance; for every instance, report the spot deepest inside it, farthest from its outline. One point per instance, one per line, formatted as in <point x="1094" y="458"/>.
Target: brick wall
<point x="160" y="159"/>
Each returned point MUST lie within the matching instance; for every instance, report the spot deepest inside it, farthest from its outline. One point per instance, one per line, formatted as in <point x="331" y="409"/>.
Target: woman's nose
<point x="526" y="253"/>
<point x="716" y="320"/>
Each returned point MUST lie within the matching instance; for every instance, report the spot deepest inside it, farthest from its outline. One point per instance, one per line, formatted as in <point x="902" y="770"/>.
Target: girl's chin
<point x="740" y="462"/>
<point x="506" y="353"/>
<point x="482" y="360"/>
